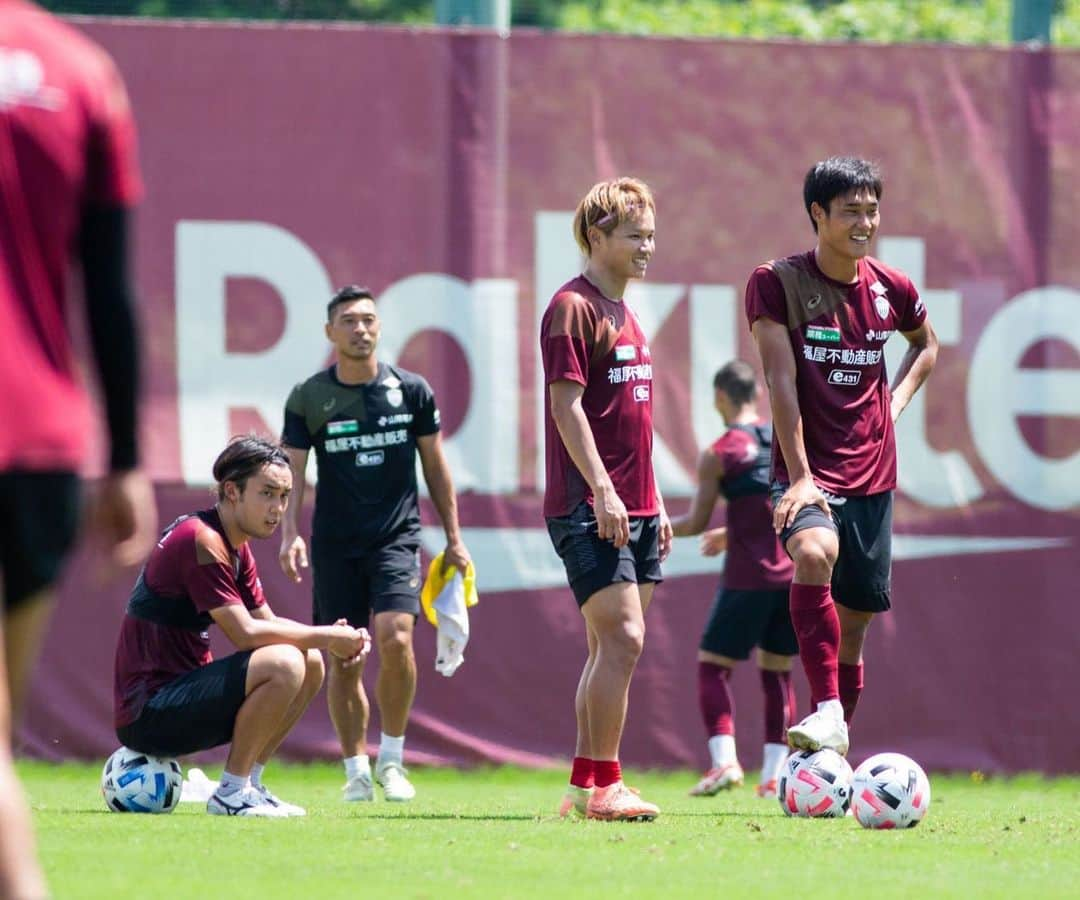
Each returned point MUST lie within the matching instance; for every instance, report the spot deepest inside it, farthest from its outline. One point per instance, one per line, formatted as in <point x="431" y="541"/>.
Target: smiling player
<point x="820" y="320"/>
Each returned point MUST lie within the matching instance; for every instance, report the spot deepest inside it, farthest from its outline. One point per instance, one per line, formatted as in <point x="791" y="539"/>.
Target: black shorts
<point x="385" y="579"/>
<point x="194" y="712"/>
<point x="862" y="575"/>
<point x="592" y="564"/>
<point x="741" y="620"/>
<point x="39" y="518"/>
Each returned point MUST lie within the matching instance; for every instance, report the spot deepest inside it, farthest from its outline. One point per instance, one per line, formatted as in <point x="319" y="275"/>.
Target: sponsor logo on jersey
<point x="370" y="458"/>
<point x="823" y="333"/>
<point x="872" y="335"/>
<point x="625" y="352"/>
<point x="350" y="426"/>
<point x="397" y="419"/>
<point x="846" y="377"/>
<point x="641" y="393"/>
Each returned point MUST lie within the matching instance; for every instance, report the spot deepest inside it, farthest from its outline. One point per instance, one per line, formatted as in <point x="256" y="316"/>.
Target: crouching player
<point x="172" y="697"/>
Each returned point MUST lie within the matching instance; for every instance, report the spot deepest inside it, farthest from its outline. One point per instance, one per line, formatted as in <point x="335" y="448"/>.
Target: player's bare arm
<point x="709" y="473"/>
<point x="441" y="488"/>
<point x="249" y="630"/>
<point x="612" y="520"/>
<point x="665" y="535"/>
<point x="293" y="555"/>
<point x="778" y="361"/>
<point x="915" y="366"/>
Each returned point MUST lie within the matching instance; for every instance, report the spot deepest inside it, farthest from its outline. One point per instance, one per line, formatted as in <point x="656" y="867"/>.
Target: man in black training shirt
<point x="366" y="420"/>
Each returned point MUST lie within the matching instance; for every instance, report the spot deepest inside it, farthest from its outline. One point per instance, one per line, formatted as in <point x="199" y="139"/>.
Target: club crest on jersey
<point x="823" y="333"/>
<point x="625" y="352"/>
<point x="881" y="302"/>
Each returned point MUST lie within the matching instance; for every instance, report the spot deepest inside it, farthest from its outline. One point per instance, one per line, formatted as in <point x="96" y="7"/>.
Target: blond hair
<point x="607" y="205"/>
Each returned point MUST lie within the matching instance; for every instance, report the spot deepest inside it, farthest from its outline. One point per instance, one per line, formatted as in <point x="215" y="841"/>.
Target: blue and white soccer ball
<point x="890" y="790"/>
<point x="815" y="784"/>
<point x="137" y="782"/>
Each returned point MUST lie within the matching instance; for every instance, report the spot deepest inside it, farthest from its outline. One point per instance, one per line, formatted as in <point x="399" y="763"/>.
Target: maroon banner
<point x="442" y="170"/>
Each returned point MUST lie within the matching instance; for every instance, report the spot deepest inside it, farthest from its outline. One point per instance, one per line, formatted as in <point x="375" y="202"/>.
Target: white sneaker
<point x="819" y="730"/>
<point x="360" y="789"/>
<point x="396" y="787"/>
<point x="245" y="802"/>
<point x="291" y="809"/>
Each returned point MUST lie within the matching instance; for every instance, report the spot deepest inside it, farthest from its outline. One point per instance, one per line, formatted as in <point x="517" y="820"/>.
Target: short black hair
<point x="738" y="381"/>
<point x="243" y="457"/>
<point x="835" y="176"/>
<point x="349" y="292"/>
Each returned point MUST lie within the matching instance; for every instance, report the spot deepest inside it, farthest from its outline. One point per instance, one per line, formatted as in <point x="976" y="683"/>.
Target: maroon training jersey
<point x="838" y="333"/>
<point x="755" y="561"/>
<point x="192" y="570"/>
<point x="66" y="140"/>
<point x="598" y="343"/>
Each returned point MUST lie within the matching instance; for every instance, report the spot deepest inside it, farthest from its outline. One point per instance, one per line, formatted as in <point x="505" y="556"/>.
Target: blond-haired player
<point x="604" y="513"/>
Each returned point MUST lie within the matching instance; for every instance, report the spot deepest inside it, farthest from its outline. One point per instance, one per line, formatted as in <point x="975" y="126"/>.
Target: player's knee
<point x="395" y="645"/>
<point x="284" y="665"/>
<point x="813" y="560"/>
<point x="626" y="641"/>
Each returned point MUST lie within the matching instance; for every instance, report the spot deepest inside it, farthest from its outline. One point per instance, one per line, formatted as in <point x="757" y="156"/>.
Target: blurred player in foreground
<point x="604" y="513"/>
<point x="367" y="421"/>
<point x="821" y="320"/>
<point x="751" y="608"/>
<point x="68" y="177"/>
<point x="172" y="696"/>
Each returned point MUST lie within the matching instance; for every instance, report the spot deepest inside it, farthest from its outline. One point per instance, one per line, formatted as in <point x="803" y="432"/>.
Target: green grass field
<point x="493" y="833"/>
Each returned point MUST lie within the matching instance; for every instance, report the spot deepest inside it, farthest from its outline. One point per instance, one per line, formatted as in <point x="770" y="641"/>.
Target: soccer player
<point x="604" y="513"/>
<point x="367" y="421"/>
<point x="820" y="320"/>
<point x="172" y="697"/>
<point x="68" y="178"/>
<point x="751" y="608"/>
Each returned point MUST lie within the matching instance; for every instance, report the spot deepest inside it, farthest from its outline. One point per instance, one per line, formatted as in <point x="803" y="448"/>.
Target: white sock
<point x="230" y="783"/>
<point x="722" y="750"/>
<point x="391" y="749"/>
<point x="833" y="707"/>
<point x="772" y="758"/>
<point x="256" y="774"/>
<point x="356" y="766"/>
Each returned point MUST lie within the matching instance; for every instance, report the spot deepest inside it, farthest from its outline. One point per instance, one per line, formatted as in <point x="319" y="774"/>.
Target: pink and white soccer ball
<point x="890" y="790"/>
<point x="815" y="784"/>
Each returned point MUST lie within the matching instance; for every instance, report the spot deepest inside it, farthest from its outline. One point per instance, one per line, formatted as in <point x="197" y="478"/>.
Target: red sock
<point x="714" y="699"/>
<point x="779" y="704"/>
<point x="581" y="775"/>
<point x="850" y="678"/>
<point x="606" y="771"/>
<point x="818" y="630"/>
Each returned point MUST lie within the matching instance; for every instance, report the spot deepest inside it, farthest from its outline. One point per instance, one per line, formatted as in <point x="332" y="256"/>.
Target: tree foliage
<point x="894" y="21"/>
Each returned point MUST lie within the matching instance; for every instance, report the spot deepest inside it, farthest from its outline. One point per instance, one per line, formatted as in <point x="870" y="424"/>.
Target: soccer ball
<point x="890" y="791"/>
<point x="815" y="784"/>
<point x="137" y="782"/>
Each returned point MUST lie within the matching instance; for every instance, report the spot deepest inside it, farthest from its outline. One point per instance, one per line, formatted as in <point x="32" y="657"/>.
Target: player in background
<point x="68" y="178"/>
<point x="172" y="697"/>
<point x="604" y="513"/>
<point x="820" y="320"/>
<point x="751" y="607"/>
<point x="367" y="421"/>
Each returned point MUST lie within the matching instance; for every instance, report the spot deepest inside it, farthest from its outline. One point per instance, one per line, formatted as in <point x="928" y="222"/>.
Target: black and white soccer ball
<point x="137" y="782"/>
<point x="890" y="790"/>
<point x="815" y="784"/>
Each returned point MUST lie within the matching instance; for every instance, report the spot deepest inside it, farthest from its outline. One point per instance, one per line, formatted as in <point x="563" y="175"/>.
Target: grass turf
<point x="493" y="833"/>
